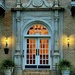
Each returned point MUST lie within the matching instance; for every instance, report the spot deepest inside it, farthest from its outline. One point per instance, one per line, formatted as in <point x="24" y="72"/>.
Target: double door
<point x="37" y="53"/>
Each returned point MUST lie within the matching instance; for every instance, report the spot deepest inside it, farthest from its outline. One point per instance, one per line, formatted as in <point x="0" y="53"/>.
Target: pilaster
<point x="17" y="55"/>
<point x="56" y="20"/>
<point x="1" y="17"/>
<point x="56" y="35"/>
<point x="18" y="3"/>
<point x="18" y="33"/>
<point x="56" y="4"/>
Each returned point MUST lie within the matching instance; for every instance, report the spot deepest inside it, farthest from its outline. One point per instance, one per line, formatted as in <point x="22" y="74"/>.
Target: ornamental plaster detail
<point x="26" y="20"/>
<point x="37" y="4"/>
<point x="48" y="20"/>
<point x="18" y="18"/>
<point x="37" y="19"/>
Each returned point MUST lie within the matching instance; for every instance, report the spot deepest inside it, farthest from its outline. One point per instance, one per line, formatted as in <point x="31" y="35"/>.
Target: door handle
<point x="23" y="53"/>
<point x="37" y="51"/>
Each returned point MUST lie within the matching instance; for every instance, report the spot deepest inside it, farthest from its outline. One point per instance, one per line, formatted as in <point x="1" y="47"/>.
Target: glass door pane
<point x="31" y="51"/>
<point x="44" y="51"/>
<point x="38" y="29"/>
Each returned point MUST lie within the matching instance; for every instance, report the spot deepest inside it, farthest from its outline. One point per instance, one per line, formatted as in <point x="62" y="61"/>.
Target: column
<point x="17" y="55"/>
<point x="56" y="18"/>
<point x="56" y="4"/>
<point x="18" y="33"/>
<point x="56" y="35"/>
<point x="1" y="17"/>
<point x="18" y="3"/>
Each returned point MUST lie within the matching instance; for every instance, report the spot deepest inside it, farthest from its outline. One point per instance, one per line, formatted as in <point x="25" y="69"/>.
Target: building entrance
<point x="37" y="47"/>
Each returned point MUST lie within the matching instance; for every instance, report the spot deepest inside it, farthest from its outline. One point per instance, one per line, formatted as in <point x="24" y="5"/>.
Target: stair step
<point x="36" y="72"/>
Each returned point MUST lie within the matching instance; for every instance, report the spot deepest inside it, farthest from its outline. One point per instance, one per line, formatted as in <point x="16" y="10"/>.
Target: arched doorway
<point x="37" y="46"/>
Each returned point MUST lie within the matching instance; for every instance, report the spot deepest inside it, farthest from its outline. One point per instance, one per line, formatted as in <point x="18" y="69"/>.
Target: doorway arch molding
<point x="25" y="29"/>
<point x="32" y="22"/>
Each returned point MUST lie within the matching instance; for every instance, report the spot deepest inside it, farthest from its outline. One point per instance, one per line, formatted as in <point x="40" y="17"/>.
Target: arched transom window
<point x="37" y="29"/>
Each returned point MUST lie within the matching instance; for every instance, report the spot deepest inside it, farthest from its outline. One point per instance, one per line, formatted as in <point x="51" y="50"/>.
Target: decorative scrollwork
<point x="18" y="18"/>
<point x="56" y="18"/>
<point x="37" y="4"/>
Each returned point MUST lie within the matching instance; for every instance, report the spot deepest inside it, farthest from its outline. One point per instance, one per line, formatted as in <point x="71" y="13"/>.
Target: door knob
<point x="37" y="51"/>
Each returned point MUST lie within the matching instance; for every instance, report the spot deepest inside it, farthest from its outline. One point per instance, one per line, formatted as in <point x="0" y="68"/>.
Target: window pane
<point x="46" y="61"/>
<point x="27" y="56"/>
<point x="37" y="29"/>
<point x="44" y="51"/>
<point x="27" y="61"/>
<point x="27" y="50"/>
<point x="40" y="56"/>
<point x="43" y="61"/>
<point x="40" y="61"/>
<point x="33" y="61"/>
<point x="30" y="61"/>
<point x="31" y="51"/>
<point x="33" y="56"/>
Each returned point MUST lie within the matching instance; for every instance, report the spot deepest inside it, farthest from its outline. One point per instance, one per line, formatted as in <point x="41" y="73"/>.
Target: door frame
<point x="24" y="47"/>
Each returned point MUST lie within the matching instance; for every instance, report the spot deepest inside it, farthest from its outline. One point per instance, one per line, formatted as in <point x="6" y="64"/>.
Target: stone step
<point x="36" y="72"/>
<point x="41" y="72"/>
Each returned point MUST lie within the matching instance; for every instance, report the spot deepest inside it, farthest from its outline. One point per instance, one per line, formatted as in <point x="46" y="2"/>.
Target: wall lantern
<point x="6" y="49"/>
<point x="68" y="42"/>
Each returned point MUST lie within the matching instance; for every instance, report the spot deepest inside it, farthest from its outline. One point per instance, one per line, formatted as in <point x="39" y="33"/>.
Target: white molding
<point x="37" y="36"/>
<point x="32" y="22"/>
<point x="1" y="28"/>
<point x="37" y="4"/>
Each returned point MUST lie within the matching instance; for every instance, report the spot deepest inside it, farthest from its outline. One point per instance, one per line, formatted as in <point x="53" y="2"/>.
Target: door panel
<point x="44" y="50"/>
<point x="37" y="52"/>
<point x="31" y="51"/>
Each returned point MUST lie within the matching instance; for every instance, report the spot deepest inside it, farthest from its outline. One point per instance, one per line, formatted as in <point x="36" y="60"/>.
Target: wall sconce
<point x="68" y="40"/>
<point x="6" y="49"/>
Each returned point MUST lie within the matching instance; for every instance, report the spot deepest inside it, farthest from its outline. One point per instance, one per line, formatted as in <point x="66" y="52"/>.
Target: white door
<point x="37" y="53"/>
